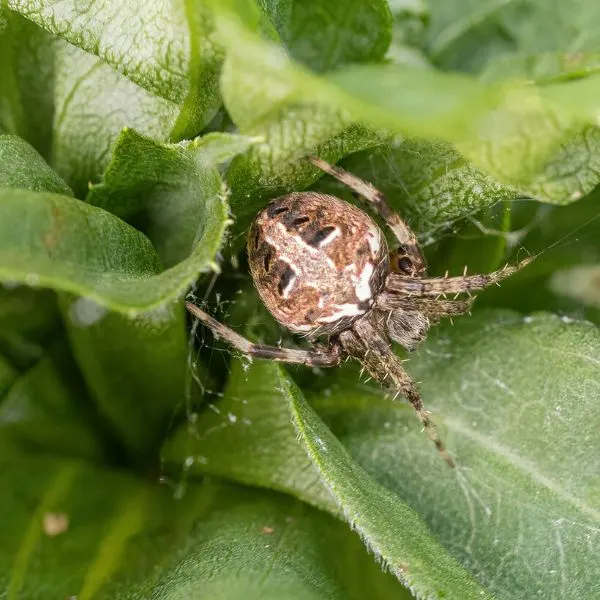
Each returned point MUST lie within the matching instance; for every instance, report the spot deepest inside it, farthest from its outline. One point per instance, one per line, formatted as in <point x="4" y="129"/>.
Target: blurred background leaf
<point x="77" y="530"/>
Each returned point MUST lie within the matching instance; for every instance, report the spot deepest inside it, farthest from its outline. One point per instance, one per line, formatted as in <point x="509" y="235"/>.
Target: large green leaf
<point x="26" y="81"/>
<point x="166" y="48"/>
<point x="63" y="248"/>
<point x="516" y="402"/>
<point x="93" y="104"/>
<point x="232" y="444"/>
<point x="51" y="240"/>
<point x="520" y="418"/>
<point x="59" y="247"/>
<point x="81" y="531"/>
<point x="492" y="125"/>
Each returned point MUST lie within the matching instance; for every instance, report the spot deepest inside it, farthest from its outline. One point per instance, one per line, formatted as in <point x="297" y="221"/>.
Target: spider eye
<point x="286" y="281"/>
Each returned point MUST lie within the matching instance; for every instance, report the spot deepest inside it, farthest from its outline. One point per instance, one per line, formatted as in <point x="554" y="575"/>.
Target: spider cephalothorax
<point x="322" y="268"/>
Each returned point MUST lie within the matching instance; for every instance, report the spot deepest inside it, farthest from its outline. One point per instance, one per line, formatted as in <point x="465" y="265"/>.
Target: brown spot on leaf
<point x="52" y="237"/>
<point x="54" y="524"/>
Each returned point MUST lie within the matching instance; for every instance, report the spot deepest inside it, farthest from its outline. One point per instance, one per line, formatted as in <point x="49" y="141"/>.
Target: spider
<point x="323" y="269"/>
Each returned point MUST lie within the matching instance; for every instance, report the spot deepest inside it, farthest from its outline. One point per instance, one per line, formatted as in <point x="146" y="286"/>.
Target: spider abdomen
<point x="317" y="262"/>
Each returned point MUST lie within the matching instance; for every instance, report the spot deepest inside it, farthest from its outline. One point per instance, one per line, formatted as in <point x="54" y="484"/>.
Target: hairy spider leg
<point x="441" y="286"/>
<point x="323" y="357"/>
<point x="433" y="308"/>
<point x="365" y="343"/>
<point x="404" y="234"/>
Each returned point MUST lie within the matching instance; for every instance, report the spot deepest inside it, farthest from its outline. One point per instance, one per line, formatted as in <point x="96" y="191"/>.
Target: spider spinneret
<point x="322" y="267"/>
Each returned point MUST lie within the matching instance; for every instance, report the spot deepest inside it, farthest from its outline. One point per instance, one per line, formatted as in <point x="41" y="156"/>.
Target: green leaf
<point x="60" y="249"/>
<point x="26" y="81"/>
<point x="429" y="183"/>
<point x="149" y="33"/>
<point x="243" y="422"/>
<point x="135" y="368"/>
<point x="93" y="104"/>
<point x="175" y="191"/>
<point x="229" y="441"/>
<point x="48" y="409"/>
<point x="170" y="188"/>
<point x="520" y="418"/>
<point x="256" y="545"/>
<point x="22" y="167"/>
<point x="325" y="35"/>
<point x="570" y="171"/>
<point x="117" y="383"/>
<point x="491" y="124"/>
<point x="78" y="530"/>
<point x="203" y="98"/>
<point x="28" y="320"/>
<point x="167" y="48"/>
<point x="515" y="399"/>
<point x="465" y="35"/>
<point x="534" y="41"/>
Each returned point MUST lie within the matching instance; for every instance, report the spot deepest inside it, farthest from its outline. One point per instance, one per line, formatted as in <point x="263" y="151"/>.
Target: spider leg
<point x="322" y="357"/>
<point x="404" y="234"/>
<point x="368" y="345"/>
<point x="440" y="286"/>
<point x="431" y="307"/>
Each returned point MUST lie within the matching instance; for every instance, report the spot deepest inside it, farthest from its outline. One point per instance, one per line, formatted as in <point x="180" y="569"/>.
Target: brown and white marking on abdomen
<point x="318" y="263"/>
